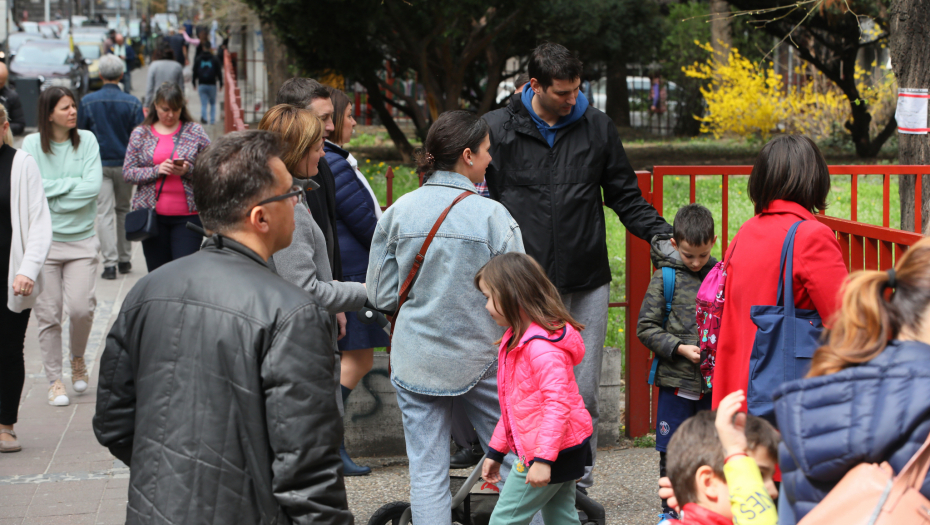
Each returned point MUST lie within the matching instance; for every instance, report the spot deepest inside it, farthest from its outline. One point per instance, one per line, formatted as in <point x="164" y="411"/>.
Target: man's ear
<point x="705" y="483"/>
<point x="674" y="244"/>
<point x="535" y="86"/>
<point x="258" y="220"/>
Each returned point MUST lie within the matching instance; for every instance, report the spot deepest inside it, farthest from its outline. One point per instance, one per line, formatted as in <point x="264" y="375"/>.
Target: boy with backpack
<point x="667" y="324"/>
<point x="207" y="71"/>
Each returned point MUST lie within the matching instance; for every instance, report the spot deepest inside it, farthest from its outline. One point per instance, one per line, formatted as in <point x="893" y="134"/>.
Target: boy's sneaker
<point x="666" y="517"/>
<point x="57" y="396"/>
<point x="78" y="374"/>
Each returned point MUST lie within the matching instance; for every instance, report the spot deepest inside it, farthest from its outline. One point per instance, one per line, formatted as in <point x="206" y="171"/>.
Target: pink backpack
<point x="710" y="298"/>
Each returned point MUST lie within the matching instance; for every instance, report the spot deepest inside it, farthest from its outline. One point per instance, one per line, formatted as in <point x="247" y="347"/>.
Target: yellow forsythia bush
<point x="749" y="99"/>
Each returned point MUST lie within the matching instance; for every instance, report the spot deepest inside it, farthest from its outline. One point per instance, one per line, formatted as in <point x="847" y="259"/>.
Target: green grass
<point x="647" y="441"/>
<point x="676" y="192"/>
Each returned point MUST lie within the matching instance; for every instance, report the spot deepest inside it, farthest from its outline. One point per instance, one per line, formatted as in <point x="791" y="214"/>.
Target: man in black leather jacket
<point x="556" y="162"/>
<point x="216" y="385"/>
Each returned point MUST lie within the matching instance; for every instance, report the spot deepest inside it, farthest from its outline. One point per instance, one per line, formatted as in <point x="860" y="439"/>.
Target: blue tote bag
<point x="785" y="341"/>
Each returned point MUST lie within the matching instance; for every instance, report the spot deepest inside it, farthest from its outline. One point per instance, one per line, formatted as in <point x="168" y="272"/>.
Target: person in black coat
<point x="10" y="100"/>
<point x="216" y="382"/>
<point x="867" y="396"/>
<point x="553" y="156"/>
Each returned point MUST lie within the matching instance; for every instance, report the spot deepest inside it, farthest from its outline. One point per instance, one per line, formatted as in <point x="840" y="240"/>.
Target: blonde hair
<point x="876" y="307"/>
<point x="8" y="136"/>
<point x="299" y="128"/>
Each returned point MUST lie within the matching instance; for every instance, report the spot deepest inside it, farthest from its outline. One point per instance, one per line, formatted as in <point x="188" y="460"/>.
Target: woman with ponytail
<point x="867" y="396"/>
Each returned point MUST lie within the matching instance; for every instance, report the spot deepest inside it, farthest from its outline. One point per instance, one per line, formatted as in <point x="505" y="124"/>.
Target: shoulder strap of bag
<point x="668" y="290"/>
<point x="914" y="473"/>
<point x="177" y="140"/>
<point x="726" y="259"/>
<point x="418" y="260"/>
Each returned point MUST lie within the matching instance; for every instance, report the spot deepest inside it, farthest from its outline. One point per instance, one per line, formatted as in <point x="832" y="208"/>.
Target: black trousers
<point x="173" y="241"/>
<point x="12" y="365"/>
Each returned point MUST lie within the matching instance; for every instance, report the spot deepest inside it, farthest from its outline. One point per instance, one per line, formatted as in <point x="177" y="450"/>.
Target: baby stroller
<point x="473" y="505"/>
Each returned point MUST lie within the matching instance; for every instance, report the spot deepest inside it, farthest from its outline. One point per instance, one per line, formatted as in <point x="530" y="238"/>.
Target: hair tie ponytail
<point x="892" y="281"/>
<point x="430" y="159"/>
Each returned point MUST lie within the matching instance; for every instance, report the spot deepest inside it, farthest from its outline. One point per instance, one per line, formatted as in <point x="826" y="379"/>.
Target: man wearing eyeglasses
<point x="216" y="384"/>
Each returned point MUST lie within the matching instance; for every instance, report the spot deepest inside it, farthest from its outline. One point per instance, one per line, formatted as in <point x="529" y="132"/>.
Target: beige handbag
<point x="871" y="494"/>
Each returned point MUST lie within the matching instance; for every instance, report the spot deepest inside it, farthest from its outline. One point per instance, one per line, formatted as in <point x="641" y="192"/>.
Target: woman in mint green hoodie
<point x="69" y="162"/>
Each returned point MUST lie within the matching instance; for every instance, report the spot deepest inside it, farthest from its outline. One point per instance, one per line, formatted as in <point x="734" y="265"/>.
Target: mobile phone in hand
<point x="178" y="162"/>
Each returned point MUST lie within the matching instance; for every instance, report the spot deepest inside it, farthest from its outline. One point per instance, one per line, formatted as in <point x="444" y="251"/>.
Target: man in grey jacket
<point x="216" y="383"/>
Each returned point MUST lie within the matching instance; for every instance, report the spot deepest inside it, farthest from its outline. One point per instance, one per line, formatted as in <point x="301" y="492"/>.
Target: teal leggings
<point x="520" y="501"/>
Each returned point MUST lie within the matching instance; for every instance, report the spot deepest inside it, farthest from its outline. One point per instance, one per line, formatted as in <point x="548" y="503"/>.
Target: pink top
<point x="173" y="200"/>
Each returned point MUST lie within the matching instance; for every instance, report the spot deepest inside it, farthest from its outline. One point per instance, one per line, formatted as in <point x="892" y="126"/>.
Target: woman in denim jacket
<point x="444" y="344"/>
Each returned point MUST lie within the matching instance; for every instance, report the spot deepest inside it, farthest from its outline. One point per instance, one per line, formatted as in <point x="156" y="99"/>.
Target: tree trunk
<point x="618" y="96"/>
<point x="721" y="36"/>
<point x="910" y="57"/>
<point x="277" y="60"/>
<point x="370" y="81"/>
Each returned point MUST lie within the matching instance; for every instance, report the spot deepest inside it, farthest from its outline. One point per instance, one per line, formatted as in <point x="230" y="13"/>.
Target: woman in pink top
<point x="159" y="159"/>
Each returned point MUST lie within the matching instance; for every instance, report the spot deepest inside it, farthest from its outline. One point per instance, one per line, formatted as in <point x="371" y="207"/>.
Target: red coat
<point x="752" y="279"/>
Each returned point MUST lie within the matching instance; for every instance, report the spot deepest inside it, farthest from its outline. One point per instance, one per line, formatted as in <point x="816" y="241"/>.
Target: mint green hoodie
<point x="71" y="179"/>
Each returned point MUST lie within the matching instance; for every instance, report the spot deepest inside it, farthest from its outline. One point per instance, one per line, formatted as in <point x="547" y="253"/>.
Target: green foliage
<point x="604" y="30"/>
<point x="647" y="441"/>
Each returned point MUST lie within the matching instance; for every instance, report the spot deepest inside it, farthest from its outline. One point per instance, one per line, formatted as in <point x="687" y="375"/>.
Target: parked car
<point x="639" y="92"/>
<point x="14" y="41"/>
<point x="53" y="29"/>
<point x="53" y="63"/>
<point x="91" y="52"/>
<point x="89" y="34"/>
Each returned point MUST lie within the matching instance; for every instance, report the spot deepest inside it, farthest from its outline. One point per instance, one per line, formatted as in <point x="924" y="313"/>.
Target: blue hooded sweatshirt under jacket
<point x="549" y="132"/>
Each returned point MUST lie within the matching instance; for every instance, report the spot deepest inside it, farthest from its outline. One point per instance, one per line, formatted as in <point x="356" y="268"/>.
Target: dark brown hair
<point x="696" y="444"/>
<point x="341" y="104"/>
<point x="791" y="168"/>
<point x="519" y="284"/>
<point x="867" y="320"/>
<point x="451" y="134"/>
<point x="300" y="91"/>
<point x="47" y="102"/>
<point x="171" y="94"/>
<point x="553" y="61"/>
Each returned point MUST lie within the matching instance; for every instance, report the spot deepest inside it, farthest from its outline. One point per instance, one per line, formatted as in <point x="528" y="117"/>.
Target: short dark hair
<point x="173" y="95"/>
<point x="696" y="444"/>
<point x="232" y="174"/>
<point x="553" y="61"/>
<point x="163" y="52"/>
<point x="520" y="79"/>
<point x="47" y="102"/>
<point x="791" y="168"/>
<point x="300" y="91"/>
<point x="693" y="224"/>
<point x="451" y="134"/>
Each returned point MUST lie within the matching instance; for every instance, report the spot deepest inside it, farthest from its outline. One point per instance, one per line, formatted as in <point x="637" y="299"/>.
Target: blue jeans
<point x="207" y="97"/>
<point x="427" y="424"/>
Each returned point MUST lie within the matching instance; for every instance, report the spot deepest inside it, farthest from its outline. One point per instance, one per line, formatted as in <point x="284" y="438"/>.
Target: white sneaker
<point x="78" y="374"/>
<point x="57" y="396"/>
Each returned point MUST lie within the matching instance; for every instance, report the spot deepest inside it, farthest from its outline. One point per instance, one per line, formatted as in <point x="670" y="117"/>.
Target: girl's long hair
<point x="48" y="100"/>
<point x="518" y="283"/>
<point x="872" y="312"/>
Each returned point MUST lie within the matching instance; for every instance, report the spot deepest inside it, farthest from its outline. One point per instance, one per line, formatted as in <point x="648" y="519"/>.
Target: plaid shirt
<point x="482" y="188"/>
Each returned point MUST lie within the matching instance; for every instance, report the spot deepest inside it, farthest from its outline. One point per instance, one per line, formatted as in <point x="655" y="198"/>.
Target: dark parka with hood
<point x="674" y="370"/>
<point x="554" y="192"/>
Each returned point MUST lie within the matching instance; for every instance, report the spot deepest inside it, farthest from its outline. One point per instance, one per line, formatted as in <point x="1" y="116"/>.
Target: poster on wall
<point x="911" y="113"/>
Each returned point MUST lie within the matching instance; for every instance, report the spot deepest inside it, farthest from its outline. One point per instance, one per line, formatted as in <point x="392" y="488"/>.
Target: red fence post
<point x="638" y="274"/>
<point x="390" y="186"/>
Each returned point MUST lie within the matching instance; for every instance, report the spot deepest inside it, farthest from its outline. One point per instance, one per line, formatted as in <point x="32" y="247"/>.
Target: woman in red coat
<point x="789" y="181"/>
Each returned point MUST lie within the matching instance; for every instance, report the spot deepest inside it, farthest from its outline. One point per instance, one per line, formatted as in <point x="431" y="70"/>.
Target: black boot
<point x="349" y="467"/>
<point x="466" y="457"/>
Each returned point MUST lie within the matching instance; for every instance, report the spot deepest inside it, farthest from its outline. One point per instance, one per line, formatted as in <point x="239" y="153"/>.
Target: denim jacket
<point x="444" y="339"/>
<point x="111" y="115"/>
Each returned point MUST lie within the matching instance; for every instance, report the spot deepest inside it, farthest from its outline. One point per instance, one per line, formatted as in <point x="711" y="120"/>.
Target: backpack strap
<point x="668" y="290"/>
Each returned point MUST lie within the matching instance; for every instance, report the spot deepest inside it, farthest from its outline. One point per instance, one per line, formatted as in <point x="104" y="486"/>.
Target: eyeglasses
<point x="295" y="192"/>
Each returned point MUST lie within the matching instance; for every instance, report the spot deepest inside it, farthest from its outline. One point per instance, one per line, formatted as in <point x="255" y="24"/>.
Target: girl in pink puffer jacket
<point x="543" y="418"/>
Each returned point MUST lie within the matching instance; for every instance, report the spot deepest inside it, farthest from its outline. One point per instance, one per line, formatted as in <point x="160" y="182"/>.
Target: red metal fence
<point x="232" y="99"/>
<point x="864" y="246"/>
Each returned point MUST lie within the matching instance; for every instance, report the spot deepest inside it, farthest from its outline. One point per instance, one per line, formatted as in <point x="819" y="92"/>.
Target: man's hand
<point x="341" y="319"/>
<point x="491" y="471"/>
<point x="690" y="352"/>
<point x="539" y="474"/>
<point x="731" y="424"/>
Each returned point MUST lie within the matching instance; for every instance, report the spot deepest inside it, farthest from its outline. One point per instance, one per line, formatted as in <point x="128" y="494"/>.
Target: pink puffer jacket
<point x="542" y="412"/>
